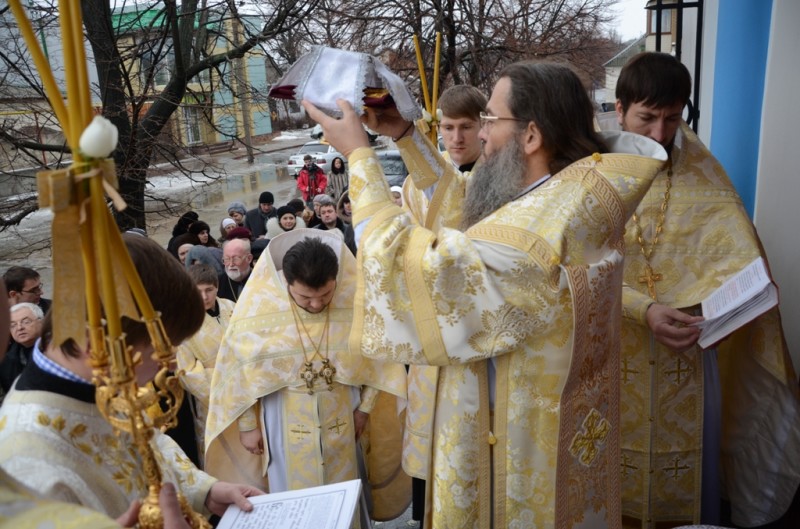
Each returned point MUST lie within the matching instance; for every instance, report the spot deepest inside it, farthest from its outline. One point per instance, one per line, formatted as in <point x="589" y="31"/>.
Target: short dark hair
<point x="15" y="277"/>
<point x="462" y="101"/>
<point x="297" y="204"/>
<point x="311" y="262"/>
<point x="654" y="79"/>
<point x="553" y="98"/>
<point x="203" y="274"/>
<point x="307" y="157"/>
<point x="170" y="289"/>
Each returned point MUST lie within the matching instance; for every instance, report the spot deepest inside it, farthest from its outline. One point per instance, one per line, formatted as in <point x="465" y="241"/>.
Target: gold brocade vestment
<point x="707" y="237"/>
<point x="197" y="357"/>
<point x="444" y="209"/>
<point x="531" y="286"/>
<point x="64" y="450"/>
<point x="262" y="354"/>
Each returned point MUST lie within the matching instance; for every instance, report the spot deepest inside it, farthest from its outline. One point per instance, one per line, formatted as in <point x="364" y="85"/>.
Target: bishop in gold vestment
<point x="308" y="430"/>
<point x="526" y="292"/>
<point x="707" y="237"/>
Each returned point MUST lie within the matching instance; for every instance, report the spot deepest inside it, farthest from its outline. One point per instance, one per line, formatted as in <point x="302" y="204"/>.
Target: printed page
<point x="737" y="290"/>
<point x="325" y="507"/>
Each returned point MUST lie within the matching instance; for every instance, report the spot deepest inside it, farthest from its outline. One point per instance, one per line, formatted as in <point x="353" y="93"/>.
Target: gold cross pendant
<point x="650" y="278"/>
<point x="327" y="371"/>
<point x="308" y="375"/>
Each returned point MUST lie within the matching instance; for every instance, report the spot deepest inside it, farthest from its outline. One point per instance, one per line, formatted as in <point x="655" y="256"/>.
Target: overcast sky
<point x="632" y="19"/>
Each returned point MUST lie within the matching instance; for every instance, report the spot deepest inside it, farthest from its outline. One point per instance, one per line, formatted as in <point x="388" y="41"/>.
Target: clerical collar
<point x="467" y="166"/>
<point x="531" y="187"/>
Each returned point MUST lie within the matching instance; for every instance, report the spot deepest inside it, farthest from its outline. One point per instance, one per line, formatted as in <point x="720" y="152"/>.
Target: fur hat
<point x="199" y="226"/>
<point x="238" y="207"/>
<point x="283" y="210"/>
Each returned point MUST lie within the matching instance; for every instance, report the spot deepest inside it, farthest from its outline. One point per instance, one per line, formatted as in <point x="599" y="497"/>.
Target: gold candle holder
<point x="82" y="218"/>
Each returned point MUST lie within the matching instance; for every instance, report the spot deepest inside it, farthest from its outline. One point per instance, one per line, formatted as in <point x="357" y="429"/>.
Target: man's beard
<point x="494" y="183"/>
<point x="235" y="274"/>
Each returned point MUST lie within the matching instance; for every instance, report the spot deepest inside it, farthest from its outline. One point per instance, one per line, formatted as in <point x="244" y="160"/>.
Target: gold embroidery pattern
<point x="503" y="328"/>
<point x="586" y="444"/>
<point x="105" y="450"/>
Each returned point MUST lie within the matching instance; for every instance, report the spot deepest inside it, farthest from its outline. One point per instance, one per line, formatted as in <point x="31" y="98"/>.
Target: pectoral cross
<point x="308" y="375"/>
<point x="650" y="278"/>
<point x="327" y="371"/>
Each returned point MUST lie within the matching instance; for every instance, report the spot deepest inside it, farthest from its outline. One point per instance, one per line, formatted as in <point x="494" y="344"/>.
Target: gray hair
<point x="36" y="309"/>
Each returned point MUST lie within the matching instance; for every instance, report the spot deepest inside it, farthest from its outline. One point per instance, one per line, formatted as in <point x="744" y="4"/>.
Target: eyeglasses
<point x="38" y="289"/>
<point x="236" y="259"/>
<point x="24" y="322"/>
<point x="487" y="119"/>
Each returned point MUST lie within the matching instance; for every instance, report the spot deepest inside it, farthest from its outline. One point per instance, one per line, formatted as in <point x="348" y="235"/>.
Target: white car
<point x="323" y="154"/>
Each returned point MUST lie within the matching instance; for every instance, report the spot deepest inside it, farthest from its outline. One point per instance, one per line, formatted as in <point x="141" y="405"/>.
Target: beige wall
<point x="777" y="211"/>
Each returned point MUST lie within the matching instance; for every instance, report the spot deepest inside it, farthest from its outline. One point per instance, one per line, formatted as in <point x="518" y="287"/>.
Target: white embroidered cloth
<point x="326" y="74"/>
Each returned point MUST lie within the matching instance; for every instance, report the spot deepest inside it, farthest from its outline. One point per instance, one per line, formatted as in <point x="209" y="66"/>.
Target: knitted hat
<point x="266" y="198"/>
<point x="323" y="199"/>
<point x="283" y="210"/>
<point x="239" y="233"/>
<point x="228" y="222"/>
<point x="238" y="207"/>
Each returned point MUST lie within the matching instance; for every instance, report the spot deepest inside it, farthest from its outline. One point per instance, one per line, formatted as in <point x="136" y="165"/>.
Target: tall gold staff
<point x="430" y="104"/>
<point x="82" y="219"/>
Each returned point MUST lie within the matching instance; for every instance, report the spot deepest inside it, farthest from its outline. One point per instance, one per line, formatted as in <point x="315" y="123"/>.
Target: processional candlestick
<point x="102" y="276"/>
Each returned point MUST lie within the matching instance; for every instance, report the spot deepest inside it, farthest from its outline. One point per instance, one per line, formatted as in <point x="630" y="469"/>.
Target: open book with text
<point x="325" y="507"/>
<point x="740" y="300"/>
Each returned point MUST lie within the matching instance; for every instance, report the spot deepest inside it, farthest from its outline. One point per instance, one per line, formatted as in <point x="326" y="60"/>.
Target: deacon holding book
<point x="697" y="425"/>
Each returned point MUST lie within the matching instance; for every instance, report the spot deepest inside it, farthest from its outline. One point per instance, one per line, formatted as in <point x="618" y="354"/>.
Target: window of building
<point x="666" y="20"/>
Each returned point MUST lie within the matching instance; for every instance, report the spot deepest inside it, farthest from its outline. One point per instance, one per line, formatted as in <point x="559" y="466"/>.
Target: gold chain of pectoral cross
<point x="650" y="276"/>
<point x="307" y="373"/>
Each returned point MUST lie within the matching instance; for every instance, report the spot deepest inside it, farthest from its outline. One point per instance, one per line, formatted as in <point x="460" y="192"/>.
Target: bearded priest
<point x="522" y="309"/>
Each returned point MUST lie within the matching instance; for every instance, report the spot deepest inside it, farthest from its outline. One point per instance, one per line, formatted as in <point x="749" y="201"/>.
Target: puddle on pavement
<point x="209" y="201"/>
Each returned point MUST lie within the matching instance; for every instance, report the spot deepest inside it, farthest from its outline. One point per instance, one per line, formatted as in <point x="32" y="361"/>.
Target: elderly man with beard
<point x="238" y="260"/>
<point x="522" y="309"/>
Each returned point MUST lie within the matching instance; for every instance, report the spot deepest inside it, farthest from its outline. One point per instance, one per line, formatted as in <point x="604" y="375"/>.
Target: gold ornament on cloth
<point x="100" y="280"/>
<point x="650" y="276"/>
<point x="327" y="371"/>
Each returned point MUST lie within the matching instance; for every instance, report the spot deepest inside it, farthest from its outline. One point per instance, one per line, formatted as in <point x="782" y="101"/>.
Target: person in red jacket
<point x="312" y="180"/>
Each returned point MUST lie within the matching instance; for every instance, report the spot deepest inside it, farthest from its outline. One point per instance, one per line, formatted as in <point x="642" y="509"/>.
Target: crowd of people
<point x="517" y="334"/>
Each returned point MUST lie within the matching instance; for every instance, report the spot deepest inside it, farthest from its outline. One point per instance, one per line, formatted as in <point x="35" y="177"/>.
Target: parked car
<point x="393" y="167"/>
<point x="322" y="152"/>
